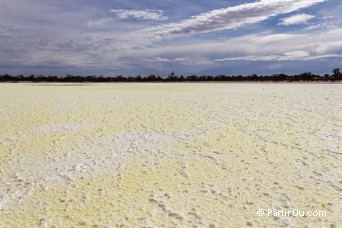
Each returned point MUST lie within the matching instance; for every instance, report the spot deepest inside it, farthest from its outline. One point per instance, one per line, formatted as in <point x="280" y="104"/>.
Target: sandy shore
<point x="170" y="155"/>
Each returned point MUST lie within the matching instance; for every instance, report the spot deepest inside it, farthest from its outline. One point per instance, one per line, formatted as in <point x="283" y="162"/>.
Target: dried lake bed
<point x="170" y="155"/>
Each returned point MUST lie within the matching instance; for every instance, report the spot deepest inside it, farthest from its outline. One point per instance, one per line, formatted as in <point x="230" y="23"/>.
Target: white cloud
<point x="284" y="57"/>
<point x="232" y="17"/>
<point x="295" y="47"/>
<point x="296" y="19"/>
<point x="257" y="47"/>
<point x="161" y="60"/>
<point x="99" y="22"/>
<point x="140" y="14"/>
<point x="157" y="59"/>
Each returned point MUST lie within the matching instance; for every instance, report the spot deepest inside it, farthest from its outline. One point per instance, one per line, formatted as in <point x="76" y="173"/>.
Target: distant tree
<point x="192" y="78"/>
<point x="254" y="77"/>
<point x="32" y="78"/>
<point x="172" y="77"/>
<point x="151" y="77"/>
<point x="307" y="76"/>
<point x="337" y="73"/>
<point x="326" y="77"/>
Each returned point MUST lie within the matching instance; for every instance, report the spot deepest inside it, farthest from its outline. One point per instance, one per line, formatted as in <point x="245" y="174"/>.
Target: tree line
<point x="307" y="76"/>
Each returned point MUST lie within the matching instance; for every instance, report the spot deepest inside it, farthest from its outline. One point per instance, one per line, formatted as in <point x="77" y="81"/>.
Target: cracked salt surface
<point x="173" y="155"/>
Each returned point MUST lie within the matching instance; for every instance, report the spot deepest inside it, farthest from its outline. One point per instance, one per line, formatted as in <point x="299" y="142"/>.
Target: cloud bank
<point x="297" y="19"/>
<point x="233" y="17"/>
<point x="140" y="14"/>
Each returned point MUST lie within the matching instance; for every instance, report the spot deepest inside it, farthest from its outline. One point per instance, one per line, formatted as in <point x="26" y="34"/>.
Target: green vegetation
<point x="335" y="76"/>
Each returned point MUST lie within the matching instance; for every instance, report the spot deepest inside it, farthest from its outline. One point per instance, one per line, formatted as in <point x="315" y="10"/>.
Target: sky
<point x="133" y="37"/>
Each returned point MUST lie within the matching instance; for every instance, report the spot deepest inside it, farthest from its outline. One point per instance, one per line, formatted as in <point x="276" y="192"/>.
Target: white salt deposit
<point x="52" y="128"/>
<point x="169" y="155"/>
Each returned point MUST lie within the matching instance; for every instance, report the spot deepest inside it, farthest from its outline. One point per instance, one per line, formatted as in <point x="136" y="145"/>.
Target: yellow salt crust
<point x="169" y="155"/>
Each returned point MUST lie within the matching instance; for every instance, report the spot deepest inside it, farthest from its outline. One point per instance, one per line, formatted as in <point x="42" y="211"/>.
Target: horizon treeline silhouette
<point x="172" y="77"/>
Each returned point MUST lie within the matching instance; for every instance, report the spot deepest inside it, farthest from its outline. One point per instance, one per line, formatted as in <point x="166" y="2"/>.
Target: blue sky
<point x="134" y="37"/>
